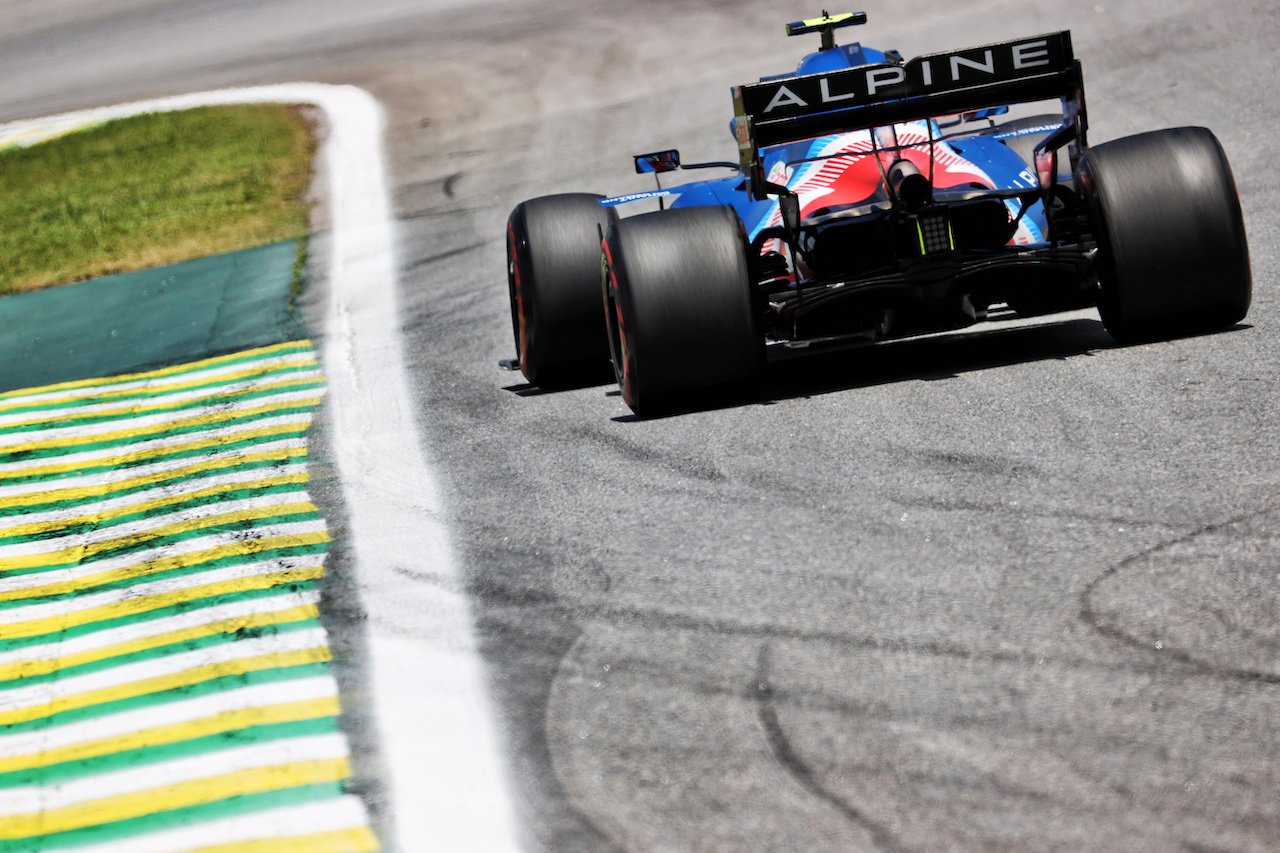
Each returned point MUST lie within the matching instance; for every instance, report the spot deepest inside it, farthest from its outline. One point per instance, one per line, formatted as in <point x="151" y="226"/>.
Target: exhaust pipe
<point x="908" y="185"/>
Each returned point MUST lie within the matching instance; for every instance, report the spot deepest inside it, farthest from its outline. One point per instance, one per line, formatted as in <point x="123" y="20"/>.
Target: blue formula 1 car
<point x="876" y="198"/>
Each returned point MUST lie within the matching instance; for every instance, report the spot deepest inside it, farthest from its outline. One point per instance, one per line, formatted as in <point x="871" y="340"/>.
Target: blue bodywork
<point x="993" y="163"/>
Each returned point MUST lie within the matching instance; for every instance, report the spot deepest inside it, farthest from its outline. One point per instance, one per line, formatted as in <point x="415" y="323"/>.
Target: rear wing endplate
<point x="785" y="110"/>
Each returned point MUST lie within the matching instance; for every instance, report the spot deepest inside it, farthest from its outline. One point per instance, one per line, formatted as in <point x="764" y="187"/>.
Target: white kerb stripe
<point x="113" y="476"/>
<point x="50" y="609"/>
<point x="150" y="777"/>
<point x="155" y="627"/>
<point x="205" y="375"/>
<point x="133" y="529"/>
<point x="144" y="399"/>
<point x="159" y="420"/>
<point x="36" y="695"/>
<point x="187" y="546"/>
<point x="224" y="480"/>
<point x="116" y="454"/>
<point x="168" y="714"/>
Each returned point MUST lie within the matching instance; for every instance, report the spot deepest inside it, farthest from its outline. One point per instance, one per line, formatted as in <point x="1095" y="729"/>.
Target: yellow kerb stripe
<point x="195" y="675"/>
<point x="180" y="795"/>
<point x="157" y="453"/>
<point x="164" y="564"/>
<point x="80" y="553"/>
<point x="354" y="840"/>
<point x="125" y="434"/>
<point x="151" y="391"/>
<point x="227" y="721"/>
<point x="104" y="490"/>
<point x="142" y="604"/>
<point x="43" y="666"/>
<point x="141" y="409"/>
<point x="144" y="506"/>
<point x="264" y="353"/>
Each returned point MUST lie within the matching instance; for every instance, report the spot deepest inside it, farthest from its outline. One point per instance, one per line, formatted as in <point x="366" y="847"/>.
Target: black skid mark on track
<point x="687" y="465"/>
<point x="909" y="501"/>
<point x="505" y="594"/>
<point x="443" y="256"/>
<point x="791" y="761"/>
<point x="451" y="184"/>
<point x="1115" y="632"/>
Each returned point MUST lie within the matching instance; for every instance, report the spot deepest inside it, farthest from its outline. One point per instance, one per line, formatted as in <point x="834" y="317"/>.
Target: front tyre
<point x="1172" y="254"/>
<point x="679" y="306"/>
<point x="553" y="281"/>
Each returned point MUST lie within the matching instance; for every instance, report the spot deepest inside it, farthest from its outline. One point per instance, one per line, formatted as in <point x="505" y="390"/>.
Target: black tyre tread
<point x="556" y="242"/>
<point x="680" y="281"/>
<point x="1173" y="256"/>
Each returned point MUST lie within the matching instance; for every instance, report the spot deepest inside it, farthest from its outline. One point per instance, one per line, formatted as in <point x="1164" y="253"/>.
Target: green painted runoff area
<point x="149" y="319"/>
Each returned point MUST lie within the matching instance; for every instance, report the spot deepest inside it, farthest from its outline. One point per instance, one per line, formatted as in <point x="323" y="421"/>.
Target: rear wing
<point x="785" y="110"/>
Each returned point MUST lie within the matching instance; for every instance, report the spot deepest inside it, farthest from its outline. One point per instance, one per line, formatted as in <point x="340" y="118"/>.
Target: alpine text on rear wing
<point x="787" y="109"/>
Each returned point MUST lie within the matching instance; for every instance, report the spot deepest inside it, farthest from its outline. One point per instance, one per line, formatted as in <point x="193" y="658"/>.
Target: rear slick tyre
<point x="1173" y="258"/>
<point x="679" y="306"/>
<point x="553" y="281"/>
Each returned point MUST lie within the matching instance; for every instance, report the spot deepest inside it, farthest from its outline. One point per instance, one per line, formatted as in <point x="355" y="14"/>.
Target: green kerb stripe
<point x="234" y="560"/>
<point x="178" y="817"/>
<point x="286" y="432"/>
<point x="177" y="694"/>
<point x="54" y="530"/>
<point x="171" y="386"/>
<point x="164" y="651"/>
<point x="56" y="774"/>
<point x="140" y="542"/>
<point x="110" y="493"/>
<point x="7" y="645"/>
<point x="158" y="433"/>
<point x="110" y="464"/>
<point x="65" y="419"/>
<point x="105" y="384"/>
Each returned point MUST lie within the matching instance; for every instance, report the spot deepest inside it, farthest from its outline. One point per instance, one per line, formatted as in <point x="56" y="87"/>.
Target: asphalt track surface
<point x="1013" y="588"/>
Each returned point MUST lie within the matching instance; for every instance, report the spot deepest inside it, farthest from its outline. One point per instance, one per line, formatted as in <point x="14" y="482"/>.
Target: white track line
<point x="448" y="788"/>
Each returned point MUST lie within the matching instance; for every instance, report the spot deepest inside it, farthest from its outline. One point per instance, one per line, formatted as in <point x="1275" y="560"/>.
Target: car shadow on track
<point x="592" y="377"/>
<point x="933" y="358"/>
<point x="801" y="374"/>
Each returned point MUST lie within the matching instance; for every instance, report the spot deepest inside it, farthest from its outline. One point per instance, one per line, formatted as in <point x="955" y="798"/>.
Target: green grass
<point x="151" y="190"/>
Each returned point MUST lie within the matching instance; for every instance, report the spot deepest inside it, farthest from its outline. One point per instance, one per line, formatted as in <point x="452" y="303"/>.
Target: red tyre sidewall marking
<point x="520" y="313"/>
<point x="628" y="369"/>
